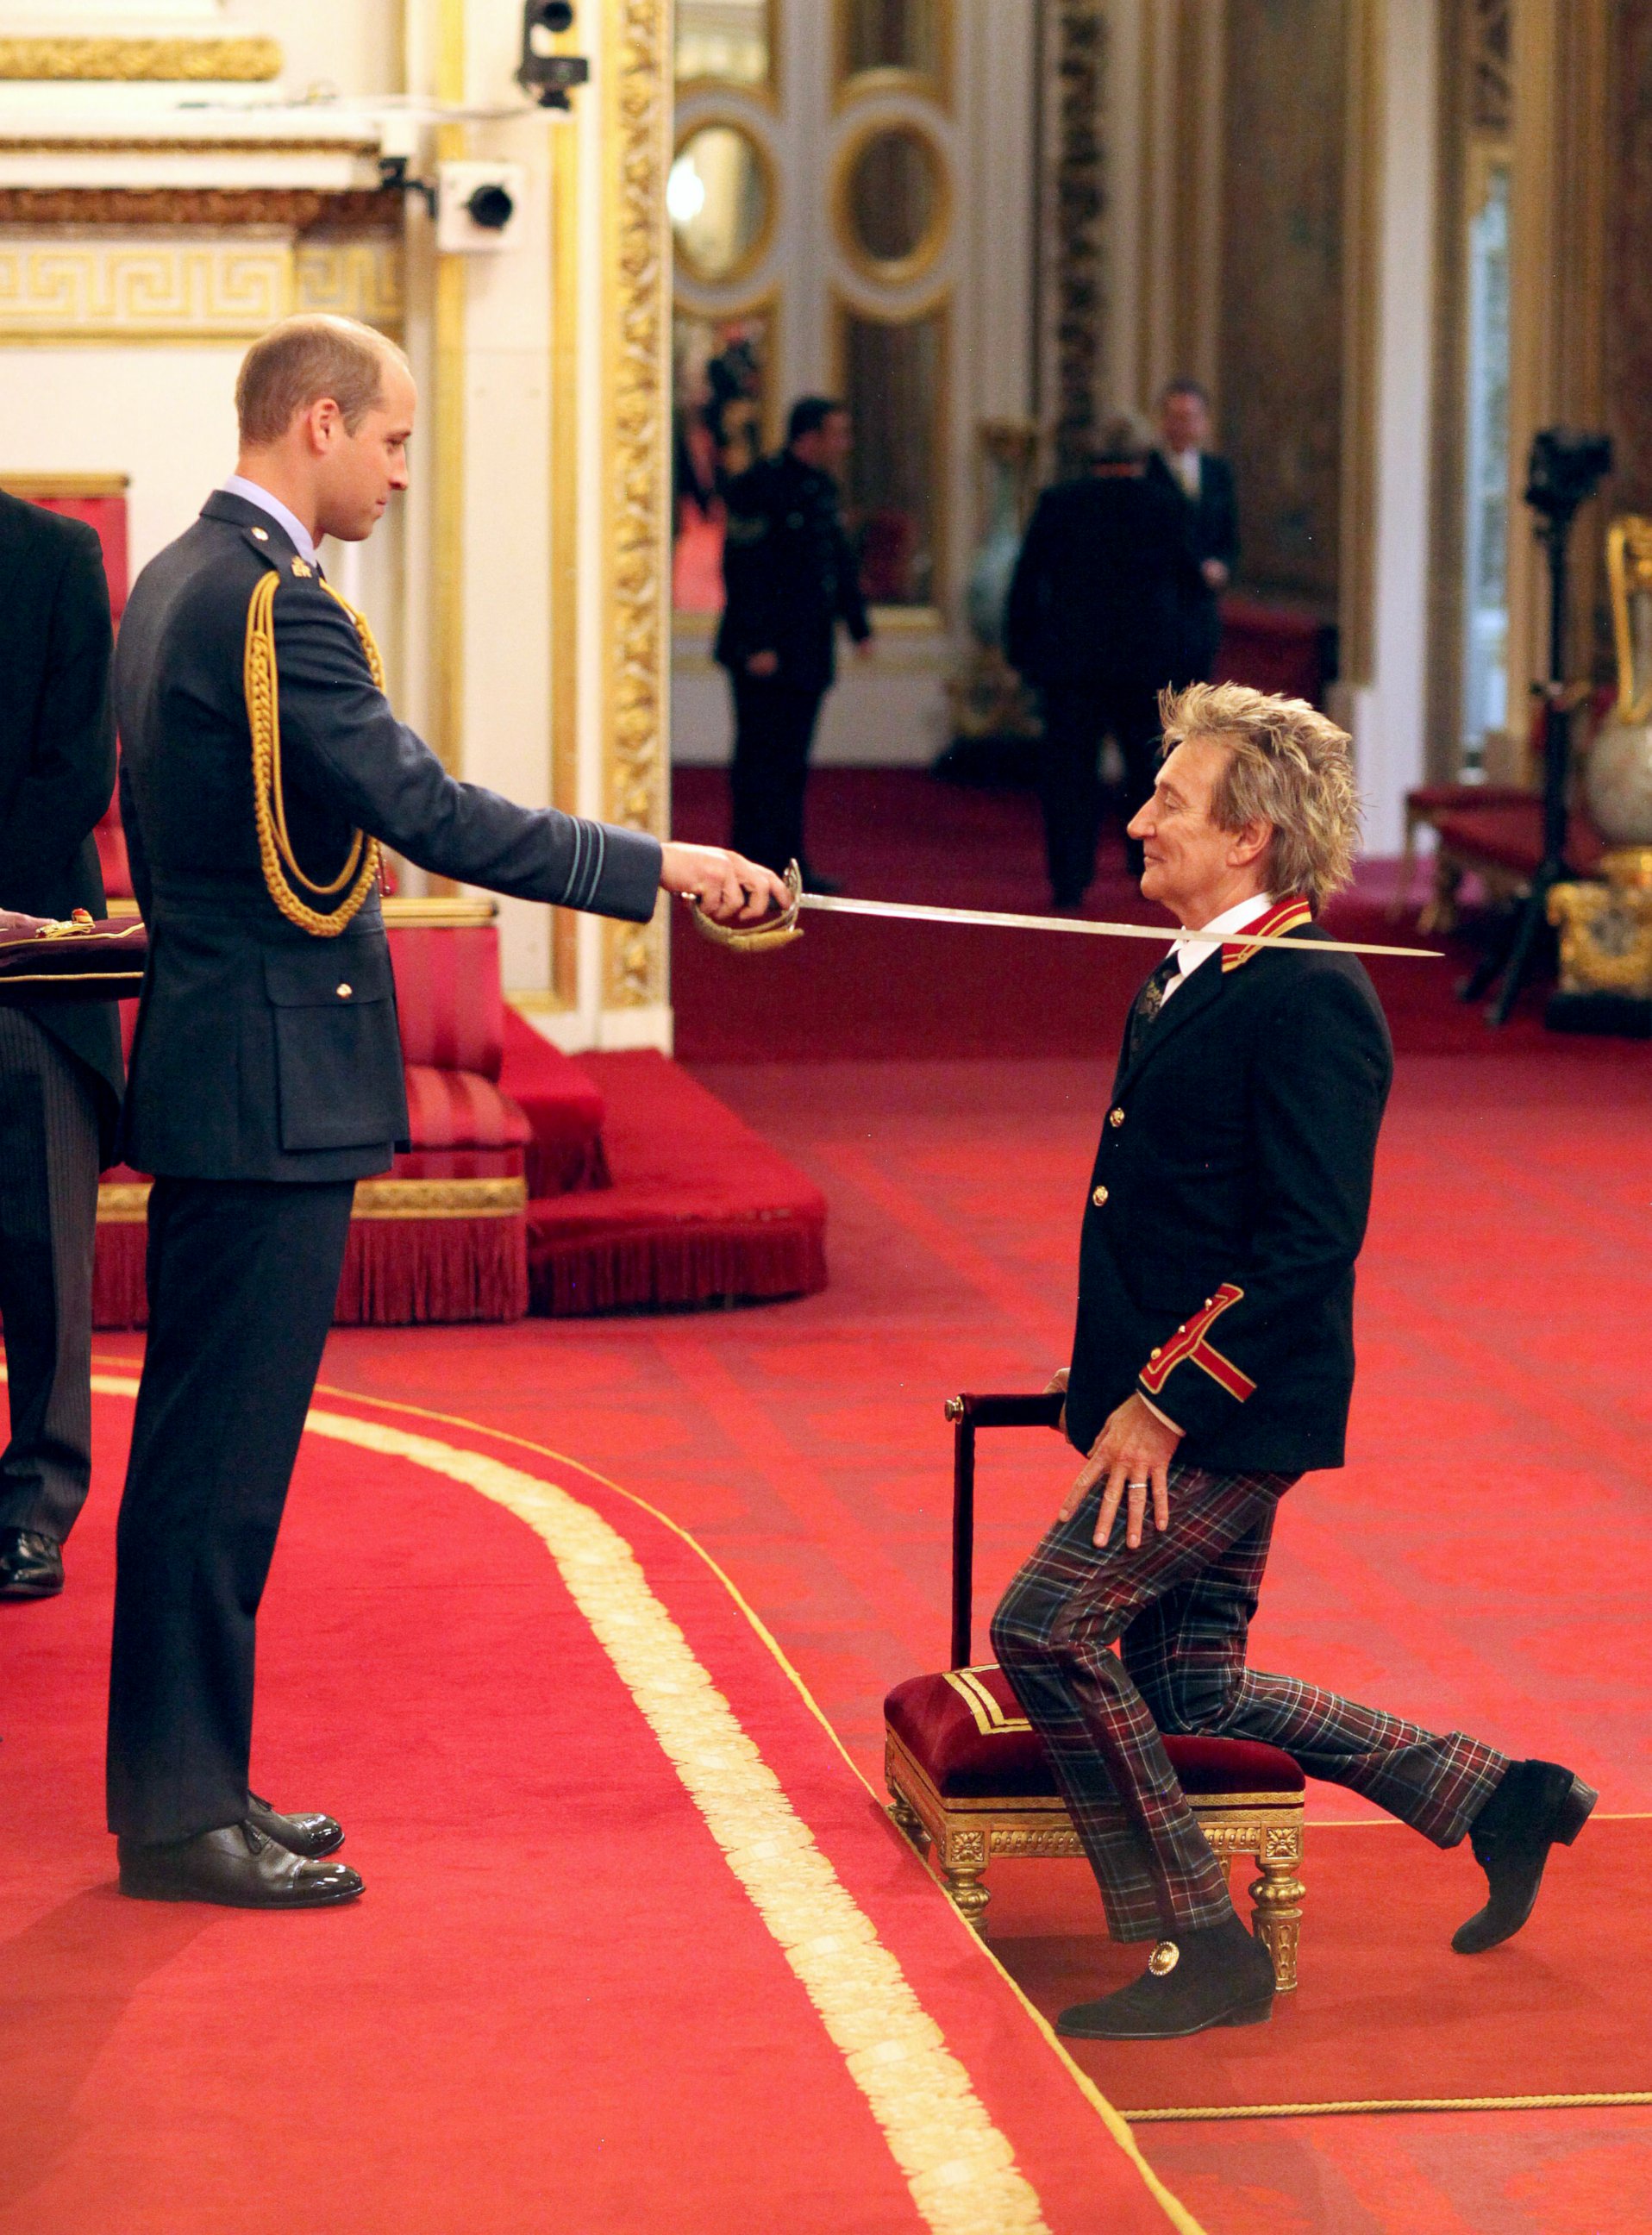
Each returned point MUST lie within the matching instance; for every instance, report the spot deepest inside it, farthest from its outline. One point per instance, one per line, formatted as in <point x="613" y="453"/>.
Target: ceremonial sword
<point x="780" y="929"/>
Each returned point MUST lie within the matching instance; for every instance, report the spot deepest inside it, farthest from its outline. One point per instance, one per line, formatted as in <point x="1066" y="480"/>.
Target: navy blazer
<point x="57" y="754"/>
<point x="265" y="1051"/>
<point x="1227" y="1205"/>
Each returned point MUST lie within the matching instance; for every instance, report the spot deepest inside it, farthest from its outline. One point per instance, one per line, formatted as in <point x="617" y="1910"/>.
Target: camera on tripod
<point x="1565" y="467"/>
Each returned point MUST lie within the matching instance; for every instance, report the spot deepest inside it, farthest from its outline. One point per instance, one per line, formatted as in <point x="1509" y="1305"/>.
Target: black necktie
<point x="1148" y="1002"/>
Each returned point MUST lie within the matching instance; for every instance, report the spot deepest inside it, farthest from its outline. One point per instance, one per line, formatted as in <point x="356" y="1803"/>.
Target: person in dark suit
<point x="1091" y="623"/>
<point x="261" y="767"/>
<point x="60" y="1061"/>
<point x="789" y="578"/>
<point x="1203" y="482"/>
<point x="1212" y="1365"/>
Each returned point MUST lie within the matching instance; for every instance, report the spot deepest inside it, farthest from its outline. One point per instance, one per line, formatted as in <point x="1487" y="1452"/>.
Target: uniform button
<point x="1156" y="1352"/>
<point x="345" y="991"/>
<point x="1115" y="1116"/>
<point x="1099" y="1197"/>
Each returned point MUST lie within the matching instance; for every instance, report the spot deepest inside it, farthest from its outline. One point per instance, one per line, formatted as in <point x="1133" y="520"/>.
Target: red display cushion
<point x="977" y="1747"/>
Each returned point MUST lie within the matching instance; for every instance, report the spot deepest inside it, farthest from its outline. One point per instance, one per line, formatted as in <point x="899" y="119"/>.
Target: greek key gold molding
<point x="132" y="61"/>
<point x="160" y="290"/>
<point x="360" y="279"/>
<point x="297" y="208"/>
<point x="637" y="69"/>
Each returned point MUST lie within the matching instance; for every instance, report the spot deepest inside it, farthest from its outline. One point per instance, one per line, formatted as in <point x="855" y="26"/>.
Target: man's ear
<point x="324" y="422"/>
<point x="1249" y="843"/>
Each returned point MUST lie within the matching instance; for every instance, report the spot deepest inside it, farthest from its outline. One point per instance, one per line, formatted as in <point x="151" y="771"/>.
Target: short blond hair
<point x="1288" y="765"/>
<point x="301" y="360"/>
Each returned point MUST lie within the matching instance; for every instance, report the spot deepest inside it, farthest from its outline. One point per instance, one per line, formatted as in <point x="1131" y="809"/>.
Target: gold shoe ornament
<point x="756" y="938"/>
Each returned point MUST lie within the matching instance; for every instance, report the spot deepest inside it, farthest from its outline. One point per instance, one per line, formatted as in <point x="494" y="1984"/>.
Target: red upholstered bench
<point x="968" y="1775"/>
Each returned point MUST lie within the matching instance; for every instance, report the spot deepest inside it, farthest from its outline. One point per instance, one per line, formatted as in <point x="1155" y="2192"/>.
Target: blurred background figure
<point x="789" y="576"/>
<point x="1203" y="483"/>
<point x="1095" y="623"/>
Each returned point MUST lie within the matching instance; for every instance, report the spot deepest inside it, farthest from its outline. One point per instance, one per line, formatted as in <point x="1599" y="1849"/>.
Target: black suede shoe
<point x="309" y="1836"/>
<point x="31" y="1566"/>
<point x="238" y="1868"/>
<point x="1218" y="1976"/>
<point x="1536" y="1803"/>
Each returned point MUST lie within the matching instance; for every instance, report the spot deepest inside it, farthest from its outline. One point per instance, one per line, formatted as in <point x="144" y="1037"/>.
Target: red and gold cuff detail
<point x="1192" y="1344"/>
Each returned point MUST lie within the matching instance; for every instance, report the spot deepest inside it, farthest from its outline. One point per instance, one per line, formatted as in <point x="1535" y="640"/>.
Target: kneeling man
<point x="1212" y="1365"/>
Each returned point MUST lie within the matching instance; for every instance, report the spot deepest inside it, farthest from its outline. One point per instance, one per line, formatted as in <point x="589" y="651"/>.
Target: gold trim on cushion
<point x="125" y="1203"/>
<point x="65" y="485"/>
<point x="990" y="1718"/>
<point x="147" y="61"/>
<point x="411" y="913"/>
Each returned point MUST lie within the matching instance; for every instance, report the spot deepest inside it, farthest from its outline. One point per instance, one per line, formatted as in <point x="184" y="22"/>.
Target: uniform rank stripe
<point x="602" y="857"/>
<point x="570" y="890"/>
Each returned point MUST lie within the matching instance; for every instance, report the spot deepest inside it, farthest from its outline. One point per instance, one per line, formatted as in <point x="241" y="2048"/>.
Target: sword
<point x="780" y="929"/>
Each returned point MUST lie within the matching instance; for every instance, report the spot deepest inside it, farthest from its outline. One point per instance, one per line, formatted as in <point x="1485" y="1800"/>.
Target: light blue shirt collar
<point x="238" y="485"/>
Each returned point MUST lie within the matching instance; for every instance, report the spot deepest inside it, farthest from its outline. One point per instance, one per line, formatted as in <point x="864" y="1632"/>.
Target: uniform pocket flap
<point x="331" y="978"/>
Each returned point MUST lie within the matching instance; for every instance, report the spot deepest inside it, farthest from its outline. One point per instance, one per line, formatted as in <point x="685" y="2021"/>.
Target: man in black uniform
<point x="1212" y="1365"/>
<point x="60" y="1061"/>
<point x="789" y="577"/>
<point x="262" y="765"/>
<point x="1092" y="624"/>
<point x="1202" y="483"/>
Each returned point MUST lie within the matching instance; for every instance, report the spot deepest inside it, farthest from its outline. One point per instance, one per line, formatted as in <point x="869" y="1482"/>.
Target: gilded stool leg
<point x="907" y="1819"/>
<point x="962" y="1864"/>
<point x="1276" y="1897"/>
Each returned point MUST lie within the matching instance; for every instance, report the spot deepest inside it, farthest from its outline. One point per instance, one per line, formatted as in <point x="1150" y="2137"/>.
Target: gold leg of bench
<point x="907" y="1820"/>
<point x="962" y="1862"/>
<point x="1276" y="1898"/>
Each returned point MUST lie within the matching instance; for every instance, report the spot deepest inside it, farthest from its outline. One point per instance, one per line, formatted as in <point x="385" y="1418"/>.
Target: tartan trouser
<point x="1179" y="1608"/>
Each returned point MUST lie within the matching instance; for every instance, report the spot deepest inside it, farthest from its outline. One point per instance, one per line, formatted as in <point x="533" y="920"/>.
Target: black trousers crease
<point x="243" y="1276"/>
<point x="49" y="1161"/>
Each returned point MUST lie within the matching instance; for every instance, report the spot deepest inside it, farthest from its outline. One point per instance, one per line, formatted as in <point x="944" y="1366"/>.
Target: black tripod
<point x="1564" y="470"/>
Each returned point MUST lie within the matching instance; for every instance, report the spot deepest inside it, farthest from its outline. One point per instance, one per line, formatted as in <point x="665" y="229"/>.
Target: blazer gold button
<point x="1156" y="1352"/>
<point x="1115" y="1116"/>
<point x="260" y="534"/>
<point x="1099" y="1197"/>
<point x="344" y="991"/>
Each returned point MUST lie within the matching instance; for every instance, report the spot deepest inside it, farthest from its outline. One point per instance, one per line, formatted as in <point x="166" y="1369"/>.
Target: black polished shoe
<point x="31" y="1566"/>
<point x="1535" y="1804"/>
<point x="236" y="1867"/>
<point x="1217" y="1976"/>
<point x="312" y="1837"/>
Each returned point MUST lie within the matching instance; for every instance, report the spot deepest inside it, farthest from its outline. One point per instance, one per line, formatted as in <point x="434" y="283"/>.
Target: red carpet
<point x="1561" y="2010"/>
<point x="563" y="2001"/>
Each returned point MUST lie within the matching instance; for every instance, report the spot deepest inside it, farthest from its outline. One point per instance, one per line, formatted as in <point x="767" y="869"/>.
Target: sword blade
<point x="914" y="911"/>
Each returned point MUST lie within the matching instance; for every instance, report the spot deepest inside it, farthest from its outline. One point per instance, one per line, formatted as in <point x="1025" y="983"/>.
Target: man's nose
<point x="1141" y="823"/>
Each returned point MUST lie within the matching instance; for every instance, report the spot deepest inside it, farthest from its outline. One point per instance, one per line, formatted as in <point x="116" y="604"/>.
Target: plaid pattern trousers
<point x="1179" y="1610"/>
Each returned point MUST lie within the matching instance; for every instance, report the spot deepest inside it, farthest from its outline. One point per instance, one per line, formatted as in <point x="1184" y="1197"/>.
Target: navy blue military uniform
<point x="266" y="1078"/>
<point x="60" y="1061"/>
<point x="789" y="576"/>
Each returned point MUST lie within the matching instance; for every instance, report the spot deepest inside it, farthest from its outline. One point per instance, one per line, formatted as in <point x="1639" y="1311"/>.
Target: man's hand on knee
<point x="1132" y="1455"/>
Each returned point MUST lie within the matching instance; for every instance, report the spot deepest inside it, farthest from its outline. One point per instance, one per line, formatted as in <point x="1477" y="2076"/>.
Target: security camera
<point x="547" y="76"/>
<point x="478" y="206"/>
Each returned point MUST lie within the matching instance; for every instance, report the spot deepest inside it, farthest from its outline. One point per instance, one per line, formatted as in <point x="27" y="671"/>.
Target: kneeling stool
<point x="967" y="1773"/>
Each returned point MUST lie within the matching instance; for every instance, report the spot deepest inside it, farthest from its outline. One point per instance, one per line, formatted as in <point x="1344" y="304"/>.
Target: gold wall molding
<point x="363" y="279"/>
<point x="68" y="485"/>
<point x="108" y="292"/>
<point x="1075" y="66"/>
<point x="168" y="61"/>
<point x="565" y="534"/>
<point x="636" y="71"/>
<point x="1362" y="205"/>
<point x="299" y="209"/>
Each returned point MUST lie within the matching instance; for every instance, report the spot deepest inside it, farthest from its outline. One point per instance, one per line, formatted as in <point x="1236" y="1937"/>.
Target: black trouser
<point x="1076" y="716"/>
<point x="243" y="1276"/>
<point x="774" y="728"/>
<point x="49" y="1159"/>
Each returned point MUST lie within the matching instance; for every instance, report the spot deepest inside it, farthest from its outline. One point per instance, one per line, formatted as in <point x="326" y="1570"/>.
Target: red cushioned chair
<point x="968" y="1775"/>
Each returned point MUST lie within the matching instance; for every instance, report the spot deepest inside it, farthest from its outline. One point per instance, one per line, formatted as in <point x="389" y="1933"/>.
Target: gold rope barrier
<point x="263" y="718"/>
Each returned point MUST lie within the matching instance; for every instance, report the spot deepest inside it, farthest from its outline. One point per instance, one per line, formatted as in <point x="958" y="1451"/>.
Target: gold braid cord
<point x="263" y="718"/>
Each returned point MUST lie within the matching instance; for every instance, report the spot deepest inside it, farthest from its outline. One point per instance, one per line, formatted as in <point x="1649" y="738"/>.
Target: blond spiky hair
<point x="1288" y="765"/>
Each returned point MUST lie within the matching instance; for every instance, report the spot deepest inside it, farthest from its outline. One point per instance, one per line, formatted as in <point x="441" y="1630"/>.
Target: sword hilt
<point x="755" y="938"/>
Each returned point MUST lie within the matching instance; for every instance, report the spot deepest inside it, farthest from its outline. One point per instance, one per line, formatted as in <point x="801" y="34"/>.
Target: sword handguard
<point x="757" y="938"/>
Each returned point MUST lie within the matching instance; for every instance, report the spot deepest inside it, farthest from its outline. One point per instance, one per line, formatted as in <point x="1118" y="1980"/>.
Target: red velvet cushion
<point x="447" y="996"/>
<point x="1511" y="837"/>
<point x="966" y="1731"/>
<point x="458" y="1109"/>
<point x="564" y="1108"/>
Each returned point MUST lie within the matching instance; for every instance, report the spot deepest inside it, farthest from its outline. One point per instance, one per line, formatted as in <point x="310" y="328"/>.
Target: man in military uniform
<point x="1212" y="1365"/>
<point x="60" y="1061"/>
<point x="262" y="766"/>
<point x="790" y="577"/>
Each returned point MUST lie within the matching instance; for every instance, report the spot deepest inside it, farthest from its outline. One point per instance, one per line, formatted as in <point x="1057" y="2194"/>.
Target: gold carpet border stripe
<point x="1398" y="2103"/>
<point x="1174" y="2210"/>
<point x="959" y="2168"/>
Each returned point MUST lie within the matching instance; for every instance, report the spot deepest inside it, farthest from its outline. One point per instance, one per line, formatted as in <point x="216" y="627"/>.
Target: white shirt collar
<point x="1190" y="952"/>
<point x="238" y="485"/>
